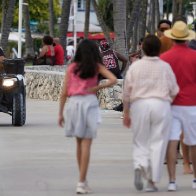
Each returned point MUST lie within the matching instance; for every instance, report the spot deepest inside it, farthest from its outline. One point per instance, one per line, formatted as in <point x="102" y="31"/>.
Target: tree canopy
<point x="38" y="10"/>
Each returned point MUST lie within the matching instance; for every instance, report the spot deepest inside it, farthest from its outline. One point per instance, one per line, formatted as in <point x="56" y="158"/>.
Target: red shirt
<point x="59" y="55"/>
<point x="183" y="62"/>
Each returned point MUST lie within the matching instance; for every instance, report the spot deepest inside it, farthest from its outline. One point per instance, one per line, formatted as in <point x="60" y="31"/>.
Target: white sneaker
<point x="138" y="179"/>
<point x="83" y="188"/>
<point x="89" y="190"/>
<point x="194" y="184"/>
<point x="172" y="186"/>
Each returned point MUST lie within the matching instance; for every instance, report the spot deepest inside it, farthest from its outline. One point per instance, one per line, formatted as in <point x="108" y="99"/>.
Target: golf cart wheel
<point x="19" y="110"/>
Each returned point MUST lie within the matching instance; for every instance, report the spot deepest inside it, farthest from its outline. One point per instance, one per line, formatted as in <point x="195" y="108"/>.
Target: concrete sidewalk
<point x="37" y="160"/>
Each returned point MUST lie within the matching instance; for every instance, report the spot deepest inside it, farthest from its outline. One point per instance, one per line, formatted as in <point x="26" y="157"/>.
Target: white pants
<point x="151" y="124"/>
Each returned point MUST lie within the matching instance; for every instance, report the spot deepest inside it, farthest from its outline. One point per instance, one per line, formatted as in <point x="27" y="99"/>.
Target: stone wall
<point x="45" y="82"/>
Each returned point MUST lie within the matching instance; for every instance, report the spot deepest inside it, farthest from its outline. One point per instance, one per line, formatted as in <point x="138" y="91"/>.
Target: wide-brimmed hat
<point x="180" y="31"/>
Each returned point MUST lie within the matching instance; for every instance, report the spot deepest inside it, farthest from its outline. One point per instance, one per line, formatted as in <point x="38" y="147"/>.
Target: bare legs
<point x="171" y="159"/>
<point x="186" y="160"/>
<point x="83" y="156"/>
<point x="171" y="162"/>
<point x="193" y="157"/>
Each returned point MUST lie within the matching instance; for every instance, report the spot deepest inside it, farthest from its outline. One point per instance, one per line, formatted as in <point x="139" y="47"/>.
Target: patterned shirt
<point x="110" y="60"/>
<point x="150" y="77"/>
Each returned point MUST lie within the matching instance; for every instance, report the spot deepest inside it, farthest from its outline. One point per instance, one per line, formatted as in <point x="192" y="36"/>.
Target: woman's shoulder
<point x="71" y="66"/>
<point x="164" y="63"/>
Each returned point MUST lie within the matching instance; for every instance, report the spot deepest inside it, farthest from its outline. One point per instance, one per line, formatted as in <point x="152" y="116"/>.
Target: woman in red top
<point x="47" y="54"/>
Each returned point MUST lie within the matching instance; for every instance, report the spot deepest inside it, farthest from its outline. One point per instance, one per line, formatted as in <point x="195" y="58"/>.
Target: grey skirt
<point x="82" y="116"/>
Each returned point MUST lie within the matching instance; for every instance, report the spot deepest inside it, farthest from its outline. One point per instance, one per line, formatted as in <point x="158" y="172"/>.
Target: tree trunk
<point x="87" y="16"/>
<point x="64" y="23"/>
<point x="8" y="12"/>
<point x="4" y="12"/>
<point x="174" y="9"/>
<point x="157" y="13"/>
<point x="167" y="10"/>
<point x="119" y="15"/>
<point x="135" y="39"/>
<point x="134" y="14"/>
<point x="180" y="3"/>
<point x="51" y="18"/>
<point x="29" y="50"/>
<point x="152" y="21"/>
<point x="143" y="19"/>
<point x="102" y="23"/>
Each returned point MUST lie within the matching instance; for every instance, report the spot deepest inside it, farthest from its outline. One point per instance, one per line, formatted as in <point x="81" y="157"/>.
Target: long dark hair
<point x="87" y="58"/>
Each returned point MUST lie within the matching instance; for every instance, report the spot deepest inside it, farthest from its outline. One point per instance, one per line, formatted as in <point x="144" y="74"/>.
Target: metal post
<point x="75" y="23"/>
<point x="20" y="29"/>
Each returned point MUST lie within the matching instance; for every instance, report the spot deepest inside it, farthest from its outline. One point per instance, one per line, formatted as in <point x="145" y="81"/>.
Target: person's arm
<point x="43" y="51"/>
<point x="63" y="99"/>
<point x="126" y="99"/>
<point x="126" y="114"/>
<point x="107" y="75"/>
<point x="174" y="88"/>
<point x="2" y="56"/>
<point x="123" y="59"/>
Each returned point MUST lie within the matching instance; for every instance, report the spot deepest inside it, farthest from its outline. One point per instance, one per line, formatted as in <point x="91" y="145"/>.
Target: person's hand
<point x="126" y="120"/>
<point x="61" y="121"/>
<point x="134" y="58"/>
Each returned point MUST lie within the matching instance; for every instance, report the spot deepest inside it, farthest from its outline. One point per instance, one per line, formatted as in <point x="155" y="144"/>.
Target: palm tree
<point x="174" y="8"/>
<point x="177" y="8"/>
<point x="64" y="23"/>
<point x="29" y="50"/>
<point x="87" y="15"/>
<point x="142" y="27"/>
<point x="7" y="18"/>
<point x="119" y="16"/>
<point x="152" y="18"/>
<point x="102" y="23"/>
<point x="135" y="36"/>
<point x="157" y="13"/>
<point x="106" y="9"/>
<point x="51" y="18"/>
<point x="134" y="14"/>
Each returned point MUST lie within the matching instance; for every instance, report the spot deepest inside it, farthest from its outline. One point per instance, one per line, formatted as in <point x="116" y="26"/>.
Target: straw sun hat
<point x="180" y="31"/>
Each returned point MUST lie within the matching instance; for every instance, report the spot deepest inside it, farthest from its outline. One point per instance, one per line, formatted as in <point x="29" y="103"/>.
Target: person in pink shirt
<point x="82" y="107"/>
<point x="183" y="62"/>
<point x="59" y="52"/>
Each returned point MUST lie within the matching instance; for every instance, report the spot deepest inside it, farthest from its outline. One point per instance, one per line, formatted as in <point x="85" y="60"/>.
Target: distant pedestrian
<point x="59" y="52"/>
<point x="150" y="86"/>
<point x="82" y="107"/>
<point x="183" y="62"/>
<point x="111" y="59"/>
<point x="2" y="58"/>
<point x="47" y="53"/>
<point x="166" y="43"/>
<point x="138" y="53"/>
<point x="70" y="52"/>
